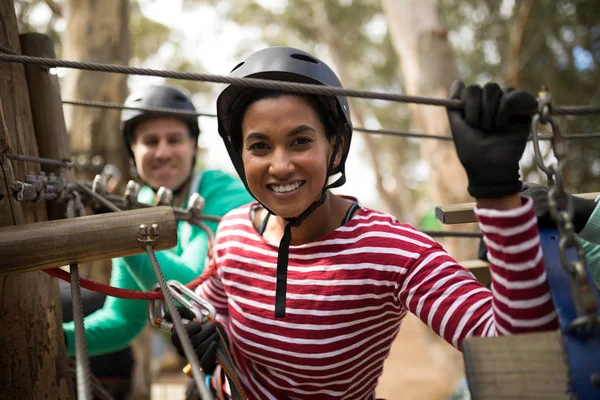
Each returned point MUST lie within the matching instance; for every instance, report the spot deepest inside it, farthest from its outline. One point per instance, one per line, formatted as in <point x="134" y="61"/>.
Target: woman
<point x="163" y="149"/>
<point x="312" y="287"/>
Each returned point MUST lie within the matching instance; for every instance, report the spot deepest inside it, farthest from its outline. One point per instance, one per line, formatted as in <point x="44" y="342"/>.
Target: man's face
<point x="163" y="150"/>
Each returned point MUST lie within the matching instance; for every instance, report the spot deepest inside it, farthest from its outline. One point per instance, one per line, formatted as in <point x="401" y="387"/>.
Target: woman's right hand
<point x="490" y="134"/>
<point x="206" y="340"/>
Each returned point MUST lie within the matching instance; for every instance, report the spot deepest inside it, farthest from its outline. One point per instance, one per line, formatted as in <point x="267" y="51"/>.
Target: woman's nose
<point x="281" y="165"/>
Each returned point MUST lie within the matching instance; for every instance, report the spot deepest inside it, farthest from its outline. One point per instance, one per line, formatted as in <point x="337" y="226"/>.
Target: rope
<point x="118" y="106"/>
<point x="39" y="160"/>
<point x="386" y="132"/>
<point x="244" y="82"/>
<point x="186" y="343"/>
<point x="82" y="362"/>
<point x="266" y="84"/>
<point x="98" y="197"/>
<point x="123" y="293"/>
<point x="81" y="352"/>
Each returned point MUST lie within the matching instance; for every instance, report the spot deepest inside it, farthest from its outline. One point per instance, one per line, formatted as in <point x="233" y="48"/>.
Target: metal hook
<point x="201" y="309"/>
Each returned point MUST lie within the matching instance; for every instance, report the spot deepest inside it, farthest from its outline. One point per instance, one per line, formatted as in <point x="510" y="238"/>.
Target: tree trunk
<point x="32" y="359"/>
<point x="517" y="33"/>
<point x="97" y="31"/>
<point x="420" y="38"/>
<point x="393" y="202"/>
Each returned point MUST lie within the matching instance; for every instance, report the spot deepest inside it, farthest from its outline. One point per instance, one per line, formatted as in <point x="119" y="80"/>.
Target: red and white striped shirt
<point x="348" y="293"/>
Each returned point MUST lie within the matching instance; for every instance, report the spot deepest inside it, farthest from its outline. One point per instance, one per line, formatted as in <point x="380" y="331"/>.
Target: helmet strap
<point x="284" y="245"/>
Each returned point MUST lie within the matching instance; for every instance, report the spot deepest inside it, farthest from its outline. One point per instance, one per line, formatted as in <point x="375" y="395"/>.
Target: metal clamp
<point x="148" y="237"/>
<point x="201" y="309"/>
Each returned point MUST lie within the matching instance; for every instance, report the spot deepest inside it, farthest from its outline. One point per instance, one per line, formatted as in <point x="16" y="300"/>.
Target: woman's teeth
<point x="285" y="188"/>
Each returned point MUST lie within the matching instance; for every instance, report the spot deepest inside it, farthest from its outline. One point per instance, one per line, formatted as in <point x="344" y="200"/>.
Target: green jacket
<point x="589" y="237"/>
<point x="115" y="325"/>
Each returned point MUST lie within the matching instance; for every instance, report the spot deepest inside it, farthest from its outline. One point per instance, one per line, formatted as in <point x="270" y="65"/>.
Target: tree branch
<point x="55" y="8"/>
<point x="516" y="41"/>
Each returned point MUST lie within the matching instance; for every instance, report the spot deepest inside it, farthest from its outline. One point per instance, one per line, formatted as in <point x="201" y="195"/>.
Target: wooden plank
<point x="528" y="366"/>
<point x="479" y="268"/>
<point x="463" y="213"/>
<point x="61" y="242"/>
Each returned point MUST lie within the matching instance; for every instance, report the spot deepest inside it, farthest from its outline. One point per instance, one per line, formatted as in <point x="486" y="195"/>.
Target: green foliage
<point x="147" y="35"/>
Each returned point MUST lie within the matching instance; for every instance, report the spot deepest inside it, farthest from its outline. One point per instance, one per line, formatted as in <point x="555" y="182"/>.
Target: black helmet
<point x="159" y="96"/>
<point x="282" y="64"/>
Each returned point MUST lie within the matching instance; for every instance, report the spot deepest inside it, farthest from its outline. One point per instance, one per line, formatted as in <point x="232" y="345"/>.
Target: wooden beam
<point x="479" y="268"/>
<point x="528" y="366"/>
<point x="47" y="112"/>
<point x="62" y="242"/>
<point x="463" y="213"/>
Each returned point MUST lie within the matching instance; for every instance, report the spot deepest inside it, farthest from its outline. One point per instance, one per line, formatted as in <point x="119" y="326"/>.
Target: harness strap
<point x="583" y="351"/>
<point x="225" y="360"/>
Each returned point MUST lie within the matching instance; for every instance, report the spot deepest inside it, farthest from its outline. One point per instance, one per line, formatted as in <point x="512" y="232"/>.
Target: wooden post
<point x="47" y="111"/>
<point x="463" y="213"/>
<point x="32" y="360"/>
<point x="56" y="243"/>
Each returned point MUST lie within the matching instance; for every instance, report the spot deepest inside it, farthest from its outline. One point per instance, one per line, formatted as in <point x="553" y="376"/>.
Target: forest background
<point x="412" y="47"/>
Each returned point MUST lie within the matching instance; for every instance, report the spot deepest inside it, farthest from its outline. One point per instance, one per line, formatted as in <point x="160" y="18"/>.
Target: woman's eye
<point x="302" y="141"/>
<point x="258" y="146"/>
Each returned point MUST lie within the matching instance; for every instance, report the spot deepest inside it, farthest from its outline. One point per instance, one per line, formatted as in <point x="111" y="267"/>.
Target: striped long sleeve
<point x="348" y="293"/>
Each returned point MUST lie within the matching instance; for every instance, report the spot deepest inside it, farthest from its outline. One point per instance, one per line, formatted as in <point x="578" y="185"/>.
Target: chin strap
<point x="284" y="245"/>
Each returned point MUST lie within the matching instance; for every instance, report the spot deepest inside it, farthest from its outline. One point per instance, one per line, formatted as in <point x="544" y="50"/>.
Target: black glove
<point x="184" y="312"/>
<point x="582" y="208"/>
<point x="490" y="136"/>
<point x="205" y="340"/>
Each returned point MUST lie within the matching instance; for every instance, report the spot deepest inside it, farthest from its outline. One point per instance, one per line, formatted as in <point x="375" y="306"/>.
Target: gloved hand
<point x="205" y="340"/>
<point x="185" y="313"/>
<point x="582" y="208"/>
<point x="490" y="136"/>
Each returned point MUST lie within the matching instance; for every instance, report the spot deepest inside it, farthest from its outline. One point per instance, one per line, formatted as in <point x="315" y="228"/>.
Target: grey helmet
<point x="282" y="64"/>
<point x="157" y="96"/>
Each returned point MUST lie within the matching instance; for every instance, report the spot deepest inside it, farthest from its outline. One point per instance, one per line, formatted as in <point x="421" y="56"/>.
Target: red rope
<point x="127" y="293"/>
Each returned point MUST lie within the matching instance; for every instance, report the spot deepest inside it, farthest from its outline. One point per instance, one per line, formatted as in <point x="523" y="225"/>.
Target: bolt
<point x="155" y="230"/>
<point x="143" y="230"/>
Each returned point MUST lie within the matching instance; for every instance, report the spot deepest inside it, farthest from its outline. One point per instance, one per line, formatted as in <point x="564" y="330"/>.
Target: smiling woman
<point x="286" y="153"/>
<point x="354" y="273"/>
